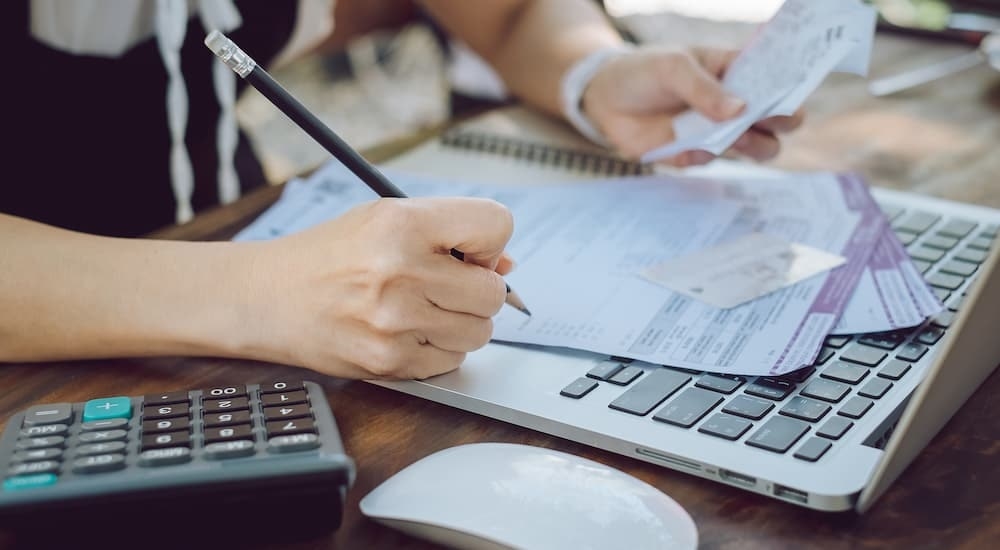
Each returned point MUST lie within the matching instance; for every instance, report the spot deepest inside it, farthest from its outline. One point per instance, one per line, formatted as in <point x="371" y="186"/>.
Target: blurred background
<point x="388" y="72"/>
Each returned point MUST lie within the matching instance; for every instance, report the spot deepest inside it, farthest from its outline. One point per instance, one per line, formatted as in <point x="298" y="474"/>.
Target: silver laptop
<point x="831" y="437"/>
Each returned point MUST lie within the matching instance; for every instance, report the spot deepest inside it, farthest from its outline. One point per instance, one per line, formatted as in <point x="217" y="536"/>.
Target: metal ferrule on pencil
<point x="230" y="54"/>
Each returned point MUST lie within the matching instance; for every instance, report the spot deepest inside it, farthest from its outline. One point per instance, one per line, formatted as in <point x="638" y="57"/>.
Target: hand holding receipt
<point x="244" y="66"/>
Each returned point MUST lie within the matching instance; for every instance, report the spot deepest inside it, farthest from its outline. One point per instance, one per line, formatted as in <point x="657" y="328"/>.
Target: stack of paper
<point x="780" y="67"/>
<point x="583" y="251"/>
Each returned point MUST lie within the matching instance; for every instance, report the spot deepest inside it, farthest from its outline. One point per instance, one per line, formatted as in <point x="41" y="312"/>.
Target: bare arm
<point x="530" y="43"/>
<point x="71" y="295"/>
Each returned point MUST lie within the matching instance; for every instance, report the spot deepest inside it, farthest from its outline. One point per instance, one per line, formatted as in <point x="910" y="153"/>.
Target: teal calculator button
<point x="33" y="481"/>
<point x="106" y="408"/>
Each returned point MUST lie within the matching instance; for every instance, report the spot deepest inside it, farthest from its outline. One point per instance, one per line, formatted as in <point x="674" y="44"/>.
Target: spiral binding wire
<point x="550" y="155"/>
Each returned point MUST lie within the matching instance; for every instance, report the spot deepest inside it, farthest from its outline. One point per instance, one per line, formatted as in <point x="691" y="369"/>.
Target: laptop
<point x="830" y="437"/>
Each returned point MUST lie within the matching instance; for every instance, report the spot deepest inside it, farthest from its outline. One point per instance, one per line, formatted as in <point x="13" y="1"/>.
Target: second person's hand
<point x="376" y="294"/>
<point x="634" y="98"/>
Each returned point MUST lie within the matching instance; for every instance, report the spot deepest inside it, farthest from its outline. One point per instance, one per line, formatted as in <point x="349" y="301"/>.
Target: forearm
<point x="70" y="295"/>
<point x="530" y="43"/>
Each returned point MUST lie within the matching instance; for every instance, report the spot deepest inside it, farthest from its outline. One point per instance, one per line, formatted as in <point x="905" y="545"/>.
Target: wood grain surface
<point x="941" y="140"/>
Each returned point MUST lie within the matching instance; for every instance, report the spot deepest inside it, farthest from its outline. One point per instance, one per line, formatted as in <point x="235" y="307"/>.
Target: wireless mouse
<point x="502" y="495"/>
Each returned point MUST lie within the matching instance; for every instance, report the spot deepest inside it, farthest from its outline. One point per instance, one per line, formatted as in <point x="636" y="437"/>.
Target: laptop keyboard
<point x="812" y="408"/>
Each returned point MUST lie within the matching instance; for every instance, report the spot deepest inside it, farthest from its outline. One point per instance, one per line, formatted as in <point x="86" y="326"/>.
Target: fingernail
<point x="731" y="106"/>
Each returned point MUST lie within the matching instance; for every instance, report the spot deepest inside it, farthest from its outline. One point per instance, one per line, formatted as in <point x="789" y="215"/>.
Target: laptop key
<point x="875" y="388"/>
<point x="689" y="407"/>
<point x="930" y="335"/>
<point x="926" y="254"/>
<point x="805" y="409"/>
<point x="826" y="390"/>
<point x="835" y="427"/>
<point x="626" y="376"/>
<point x="837" y="341"/>
<point x="726" y="426"/>
<point x="946" y="281"/>
<point x="911" y="352"/>
<point x="770" y="388"/>
<point x="579" y="388"/>
<point x="720" y="383"/>
<point x="855" y="407"/>
<point x="863" y="355"/>
<point x="960" y="268"/>
<point x="982" y="243"/>
<point x="650" y="391"/>
<point x="884" y="340"/>
<point x="605" y="369"/>
<point x="973" y="255"/>
<point x="957" y="228"/>
<point x="778" y="434"/>
<point x="917" y="222"/>
<point x="844" y="372"/>
<point x="941" y="242"/>
<point x="748" y="407"/>
<point x="813" y="449"/>
<point x="894" y="369"/>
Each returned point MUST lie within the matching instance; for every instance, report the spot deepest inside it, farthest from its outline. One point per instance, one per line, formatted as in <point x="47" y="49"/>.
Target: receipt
<point x="781" y="66"/>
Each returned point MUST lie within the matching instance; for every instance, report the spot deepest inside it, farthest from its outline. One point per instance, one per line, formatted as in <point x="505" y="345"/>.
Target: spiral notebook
<point x="514" y="144"/>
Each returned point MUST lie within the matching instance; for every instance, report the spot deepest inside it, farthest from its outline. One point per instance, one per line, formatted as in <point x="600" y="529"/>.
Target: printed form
<point x="581" y="247"/>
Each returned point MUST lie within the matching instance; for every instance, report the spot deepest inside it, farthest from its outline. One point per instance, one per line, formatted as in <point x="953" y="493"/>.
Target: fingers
<point x="693" y="82"/>
<point x="463" y="288"/>
<point x="480" y="228"/>
<point x="781" y="124"/>
<point x="758" y="145"/>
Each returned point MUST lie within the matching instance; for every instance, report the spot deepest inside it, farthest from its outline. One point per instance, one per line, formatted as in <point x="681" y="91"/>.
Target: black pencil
<point x="244" y="66"/>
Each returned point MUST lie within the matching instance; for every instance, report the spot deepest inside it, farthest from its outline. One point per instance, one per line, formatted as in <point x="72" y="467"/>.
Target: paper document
<point x="742" y="269"/>
<point x="781" y="66"/>
<point x="580" y="249"/>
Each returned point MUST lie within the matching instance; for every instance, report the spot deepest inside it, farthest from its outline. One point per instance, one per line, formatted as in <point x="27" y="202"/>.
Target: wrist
<point x="574" y="84"/>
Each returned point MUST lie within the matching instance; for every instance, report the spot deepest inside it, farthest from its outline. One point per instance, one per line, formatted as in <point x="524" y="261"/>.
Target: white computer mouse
<point x="502" y="495"/>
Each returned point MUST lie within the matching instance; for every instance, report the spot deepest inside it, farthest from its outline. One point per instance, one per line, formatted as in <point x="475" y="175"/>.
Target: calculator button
<point x="279" y="386"/>
<point x="111" y="424"/>
<point x="40" y="442"/>
<point x="101" y="448"/>
<point x="293" y="443"/>
<point x="165" y="398"/>
<point x="227" y="418"/>
<point x="107" y="407"/>
<point x="229" y="449"/>
<point x="285" y="427"/>
<point x="37" y="454"/>
<point x="294" y="411"/>
<point x="152" y="412"/>
<point x="98" y="463"/>
<point x="33" y="481"/>
<point x="59" y="413"/>
<point x="165" y="425"/>
<point x="45" y="430"/>
<point x="283" y="398"/>
<point x="39" y="467"/>
<point x="171" y="439"/>
<point x="225" y="391"/>
<point x="165" y="457"/>
<point x="228" y="433"/>
<point x="222" y="405"/>
<point x="102" y="436"/>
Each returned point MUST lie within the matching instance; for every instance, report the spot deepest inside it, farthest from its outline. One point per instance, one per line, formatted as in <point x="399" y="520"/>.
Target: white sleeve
<point x="313" y="23"/>
<point x="575" y="82"/>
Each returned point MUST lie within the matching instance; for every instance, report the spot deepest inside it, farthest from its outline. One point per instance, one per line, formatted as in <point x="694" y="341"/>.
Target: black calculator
<point x="267" y="453"/>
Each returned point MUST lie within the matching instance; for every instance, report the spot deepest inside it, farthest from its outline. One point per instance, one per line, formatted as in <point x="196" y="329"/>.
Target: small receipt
<point x="737" y="271"/>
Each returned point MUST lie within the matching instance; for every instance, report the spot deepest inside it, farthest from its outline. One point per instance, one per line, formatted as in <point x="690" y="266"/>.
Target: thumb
<point x="685" y="76"/>
<point x="471" y="229"/>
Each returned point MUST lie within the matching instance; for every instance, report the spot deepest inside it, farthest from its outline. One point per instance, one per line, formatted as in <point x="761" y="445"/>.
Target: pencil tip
<point x="515" y="301"/>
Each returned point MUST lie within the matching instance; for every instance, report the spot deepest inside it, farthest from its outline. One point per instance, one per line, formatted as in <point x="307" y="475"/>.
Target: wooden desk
<point x="941" y="139"/>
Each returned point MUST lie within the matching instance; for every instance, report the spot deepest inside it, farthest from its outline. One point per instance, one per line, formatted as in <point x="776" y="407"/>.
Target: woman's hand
<point x="634" y="98"/>
<point x="376" y="292"/>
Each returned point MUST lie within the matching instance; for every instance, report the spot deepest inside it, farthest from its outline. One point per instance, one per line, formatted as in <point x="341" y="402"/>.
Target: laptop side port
<point x="671" y="460"/>
<point x="737" y="478"/>
<point x="793" y="495"/>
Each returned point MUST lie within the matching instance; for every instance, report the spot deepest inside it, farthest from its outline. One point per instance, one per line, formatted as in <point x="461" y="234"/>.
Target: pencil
<point x="244" y="66"/>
